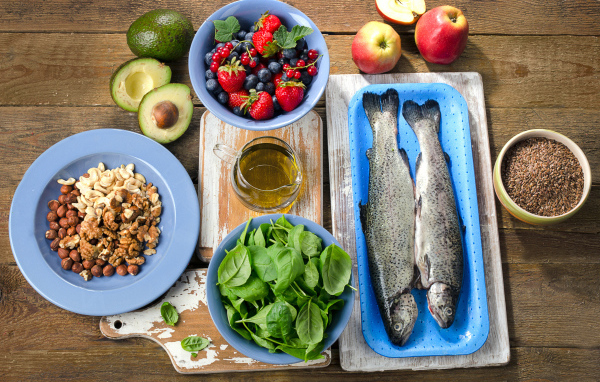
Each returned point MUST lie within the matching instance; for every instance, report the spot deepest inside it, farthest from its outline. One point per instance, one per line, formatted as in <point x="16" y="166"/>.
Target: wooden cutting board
<point x="188" y="296"/>
<point x="220" y="210"/>
<point x="355" y="354"/>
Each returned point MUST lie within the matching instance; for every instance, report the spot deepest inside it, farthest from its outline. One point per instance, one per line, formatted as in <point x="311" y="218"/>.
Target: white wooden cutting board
<point x="355" y="354"/>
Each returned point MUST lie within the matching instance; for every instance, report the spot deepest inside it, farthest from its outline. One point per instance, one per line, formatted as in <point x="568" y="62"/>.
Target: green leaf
<point x="294" y="237"/>
<point x="336" y="267"/>
<point x="250" y="239"/>
<point x="261" y="235"/>
<point x="279" y="320"/>
<point x="226" y="292"/>
<point x="194" y="343"/>
<point x="310" y="244"/>
<point x="274" y="250"/>
<point x="235" y="268"/>
<point x="232" y="317"/>
<point x="260" y="318"/>
<point x="243" y="235"/>
<point x="262" y="342"/>
<point x="270" y="49"/>
<point x="262" y="263"/>
<point x="253" y="289"/>
<point x="194" y="355"/>
<point x="287" y="40"/>
<point x="224" y="29"/>
<point x="309" y="324"/>
<point x="289" y="266"/>
<point x="169" y="313"/>
<point x="311" y="274"/>
<point x="281" y="229"/>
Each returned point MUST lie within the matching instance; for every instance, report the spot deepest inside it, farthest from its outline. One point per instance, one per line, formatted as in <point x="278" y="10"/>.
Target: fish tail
<point x="413" y="113"/>
<point x="372" y="106"/>
<point x="390" y="102"/>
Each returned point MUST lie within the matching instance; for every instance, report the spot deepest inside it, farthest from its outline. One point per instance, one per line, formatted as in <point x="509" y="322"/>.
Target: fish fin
<point x="363" y="214"/>
<point x="369" y="151"/>
<point x="390" y="102"/>
<point x="428" y="267"/>
<point x="418" y="206"/>
<point x="372" y="106"/>
<point x="404" y="157"/>
<point x="418" y="163"/>
<point x="413" y="113"/>
<point x="447" y="157"/>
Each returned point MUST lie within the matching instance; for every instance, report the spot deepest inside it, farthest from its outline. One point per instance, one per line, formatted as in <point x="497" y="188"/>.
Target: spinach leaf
<point x="235" y="268"/>
<point x="169" y="313"/>
<point x="279" y="321"/>
<point x="262" y="263"/>
<point x="336" y="267"/>
<point x="232" y="317"/>
<point x="194" y="343"/>
<point x="294" y="237"/>
<point x="226" y="292"/>
<point x="289" y="266"/>
<point x="250" y="240"/>
<point x="262" y="342"/>
<point x="310" y="244"/>
<point x="253" y="289"/>
<point x="309" y="323"/>
<point x="281" y="229"/>
<point x="336" y="304"/>
<point x="313" y="351"/>
<point x="311" y="274"/>
<point x="260" y="318"/>
<point x="242" y="238"/>
<point x="240" y="306"/>
<point x="274" y="249"/>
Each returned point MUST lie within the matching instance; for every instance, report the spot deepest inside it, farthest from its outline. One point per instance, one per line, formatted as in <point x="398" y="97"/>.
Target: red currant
<point x="252" y="52"/>
<point x="229" y="45"/>
<point x="280" y="55"/>
<point x="225" y="53"/>
<point x="214" y="66"/>
<point x="312" y="70"/>
<point x="290" y="73"/>
<point x="216" y="57"/>
<point x="297" y="75"/>
<point x="286" y="66"/>
<point x="252" y="64"/>
<point x="245" y="60"/>
<point x="309" y="62"/>
<point x="300" y="64"/>
<point x="313" y="54"/>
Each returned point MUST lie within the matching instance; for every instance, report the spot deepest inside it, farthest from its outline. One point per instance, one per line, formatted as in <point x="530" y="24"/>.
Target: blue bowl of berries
<point x="259" y="65"/>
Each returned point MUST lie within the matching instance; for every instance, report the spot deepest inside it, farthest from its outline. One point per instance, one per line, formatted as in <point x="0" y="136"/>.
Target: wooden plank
<point x="576" y="17"/>
<point x="74" y="69"/>
<point x="188" y="296"/>
<point x="355" y="354"/>
<point x="220" y="210"/>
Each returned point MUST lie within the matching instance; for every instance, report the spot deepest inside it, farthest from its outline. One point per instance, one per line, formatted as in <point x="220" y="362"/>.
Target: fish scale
<point x="388" y="219"/>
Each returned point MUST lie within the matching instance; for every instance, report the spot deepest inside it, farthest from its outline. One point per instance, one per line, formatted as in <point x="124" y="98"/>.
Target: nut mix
<point x="102" y="222"/>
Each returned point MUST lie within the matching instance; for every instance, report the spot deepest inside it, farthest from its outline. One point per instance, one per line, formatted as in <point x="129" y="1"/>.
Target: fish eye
<point x="448" y="311"/>
<point x="397" y="327"/>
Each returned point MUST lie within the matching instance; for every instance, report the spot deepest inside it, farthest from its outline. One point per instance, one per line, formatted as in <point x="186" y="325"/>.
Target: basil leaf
<point x="309" y="324"/>
<point x="311" y="274"/>
<point x="336" y="267"/>
<point x="253" y="289"/>
<point x="194" y="343"/>
<point x="287" y="40"/>
<point x="235" y="268"/>
<point x="289" y="266"/>
<point x="279" y="321"/>
<point x="262" y="263"/>
<point x="169" y="313"/>
<point x="224" y="29"/>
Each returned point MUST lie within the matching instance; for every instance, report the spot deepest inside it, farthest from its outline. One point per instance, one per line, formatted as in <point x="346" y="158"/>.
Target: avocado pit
<point x="165" y="114"/>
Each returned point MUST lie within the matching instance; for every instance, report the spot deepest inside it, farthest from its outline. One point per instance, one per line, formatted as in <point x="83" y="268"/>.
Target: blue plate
<point x="219" y="314"/>
<point x="471" y="326"/>
<point x="72" y="157"/>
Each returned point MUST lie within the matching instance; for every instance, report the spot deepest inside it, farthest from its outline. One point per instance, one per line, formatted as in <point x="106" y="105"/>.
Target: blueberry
<point x="252" y="28"/>
<point x="241" y="34"/>
<point x="250" y="82"/>
<point x="248" y="36"/>
<point x="220" y="45"/>
<point x="306" y="78"/>
<point x="232" y="55"/>
<point x="270" y="88"/>
<point x="264" y="75"/>
<point x="248" y="70"/>
<point x="208" y="58"/>
<point x="289" y="53"/>
<point x="260" y="86"/>
<point x="300" y="43"/>
<point x="276" y="104"/>
<point x="282" y="61"/>
<point x="274" y="67"/>
<point x="238" y="111"/>
<point x="294" y="62"/>
<point x="223" y="97"/>
<point x="236" y="46"/>
<point x="212" y="85"/>
<point x="209" y="75"/>
<point x="285" y="78"/>
<point x="304" y="56"/>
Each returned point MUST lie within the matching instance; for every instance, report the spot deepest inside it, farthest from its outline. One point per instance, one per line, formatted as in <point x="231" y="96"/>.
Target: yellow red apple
<point x="441" y="34"/>
<point x="376" y="48"/>
<point x="401" y="11"/>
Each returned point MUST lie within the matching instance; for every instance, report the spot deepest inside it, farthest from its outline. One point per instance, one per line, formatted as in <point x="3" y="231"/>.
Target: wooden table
<point x="540" y="65"/>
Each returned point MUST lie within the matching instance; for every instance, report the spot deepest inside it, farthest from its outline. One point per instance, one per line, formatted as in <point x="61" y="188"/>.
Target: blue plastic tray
<point x="471" y="326"/>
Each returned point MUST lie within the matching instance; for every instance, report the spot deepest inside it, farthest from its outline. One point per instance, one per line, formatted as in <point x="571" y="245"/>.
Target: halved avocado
<point x="166" y="112"/>
<point x="133" y="79"/>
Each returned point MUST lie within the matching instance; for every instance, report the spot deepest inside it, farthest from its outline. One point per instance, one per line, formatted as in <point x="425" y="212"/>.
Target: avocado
<point x="162" y="34"/>
<point x="166" y="112"/>
<point x="133" y="79"/>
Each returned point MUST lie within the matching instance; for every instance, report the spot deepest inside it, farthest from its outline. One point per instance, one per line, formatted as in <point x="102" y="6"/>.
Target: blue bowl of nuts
<point x="259" y="65"/>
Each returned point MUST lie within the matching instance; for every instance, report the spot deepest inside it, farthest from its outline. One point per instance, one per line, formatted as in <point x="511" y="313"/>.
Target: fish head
<point x="442" y="301"/>
<point x="404" y="313"/>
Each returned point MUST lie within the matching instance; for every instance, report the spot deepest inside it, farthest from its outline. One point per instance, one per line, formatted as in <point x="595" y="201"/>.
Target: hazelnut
<point x="73" y="221"/>
<point x="52" y="216"/>
<point x="63" y="253"/>
<point x="100" y="262"/>
<point x="62" y="199"/>
<point x="75" y="192"/>
<point x="54" y="226"/>
<point x="86" y="175"/>
<point x="62" y="233"/>
<point x="66" y="264"/>
<point x="78" y="228"/>
<point x="71" y="198"/>
<point x="53" y="205"/>
<point x="77" y="267"/>
<point x="61" y="211"/>
<point x="51" y="234"/>
<point x="74" y="255"/>
<point x="88" y="264"/>
<point x="65" y="189"/>
<point x="133" y="269"/>
<point x="63" y="223"/>
<point x="108" y="270"/>
<point x="97" y="270"/>
<point x="122" y="270"/>
<point x="71" y="231"/>
<point x="55" y="244"/>
<point x="70" y="207"/>
<point x="80" y="214"/>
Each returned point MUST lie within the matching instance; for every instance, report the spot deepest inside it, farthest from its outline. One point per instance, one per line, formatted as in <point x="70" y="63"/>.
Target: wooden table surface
<point x="540" y="63"/>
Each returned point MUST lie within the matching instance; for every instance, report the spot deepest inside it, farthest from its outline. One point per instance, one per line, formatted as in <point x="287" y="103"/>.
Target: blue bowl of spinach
<point x="279" y="289"/>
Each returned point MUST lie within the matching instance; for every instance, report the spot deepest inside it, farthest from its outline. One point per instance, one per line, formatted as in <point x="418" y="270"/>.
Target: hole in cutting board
<point x="118" y="324"/>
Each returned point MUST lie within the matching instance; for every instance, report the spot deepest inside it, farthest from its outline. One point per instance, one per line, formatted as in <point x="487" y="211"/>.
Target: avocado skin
<point x="163" y="34"/>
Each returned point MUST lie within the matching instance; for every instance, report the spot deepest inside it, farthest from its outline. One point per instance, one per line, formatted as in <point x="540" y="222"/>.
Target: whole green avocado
<point x="163" y="34"/>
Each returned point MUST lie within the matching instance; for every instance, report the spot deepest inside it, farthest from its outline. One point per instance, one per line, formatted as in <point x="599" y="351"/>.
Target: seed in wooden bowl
<point x="542" y="176"/>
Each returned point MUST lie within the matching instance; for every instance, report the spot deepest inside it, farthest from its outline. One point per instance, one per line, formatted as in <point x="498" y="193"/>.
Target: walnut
<point x="88" y="251"/>
<point x="156" y="210"/>
<point x="86" y="274"/>
<point x="116" y="259"/>
<point x="138" y="201"/>
<point x="130" y="214"/>
<point x="142" y="232"/>
<point x="149" y="252"/>
<point x="153" y="232"/>
<point x="109" y="219"/>
<point x="90" y="230"/>
<point x="70" y="241"/>
<point x="136" y="260"/>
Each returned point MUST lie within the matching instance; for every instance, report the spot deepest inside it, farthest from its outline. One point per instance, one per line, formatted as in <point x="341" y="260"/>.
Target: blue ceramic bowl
<point x="72" y="157"/>
<point x="247" y="12"/>
<point x="219" y="314"/>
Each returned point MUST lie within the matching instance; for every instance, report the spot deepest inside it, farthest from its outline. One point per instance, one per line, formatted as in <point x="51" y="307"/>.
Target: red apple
<point x="376" y="48"/>
<point x="401" y="11"/>
<point x="441" y="34"/>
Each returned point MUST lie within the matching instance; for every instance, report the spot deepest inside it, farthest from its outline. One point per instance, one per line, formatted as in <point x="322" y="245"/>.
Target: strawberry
<point x="268" y="22"/>
<point x="260" y="105"/>
<point x="231" y="76"/>
<point x="238" y="98"/>
<point x="262" y="39"/>
<point x="277" y="78"/>
<point x="289" y="94"/>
